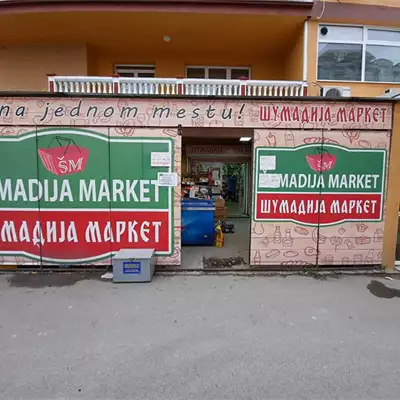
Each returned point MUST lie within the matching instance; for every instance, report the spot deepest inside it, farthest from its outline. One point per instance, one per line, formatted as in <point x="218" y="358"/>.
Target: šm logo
<point x="66" y="158"/>
<point x="322" y="161"/>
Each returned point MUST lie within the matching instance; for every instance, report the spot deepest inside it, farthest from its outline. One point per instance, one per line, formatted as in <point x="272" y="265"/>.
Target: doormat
<point x="216" y="262"/>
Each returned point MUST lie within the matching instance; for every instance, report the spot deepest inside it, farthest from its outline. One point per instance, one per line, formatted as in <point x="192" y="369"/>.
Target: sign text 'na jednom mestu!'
<point x="314" y="184"/>
<point x="197" y="113"/>
<point x="64" y="202"/>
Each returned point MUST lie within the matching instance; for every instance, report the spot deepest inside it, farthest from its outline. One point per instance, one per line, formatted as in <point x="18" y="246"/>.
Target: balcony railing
<point x="175" y="86"/>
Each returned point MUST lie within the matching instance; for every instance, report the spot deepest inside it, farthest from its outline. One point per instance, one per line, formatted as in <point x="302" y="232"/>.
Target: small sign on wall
<point x="160" y="159"/>
<point x="169" y="179"/>
<point x="267" y="163"/>
<point x="269" y="181"/>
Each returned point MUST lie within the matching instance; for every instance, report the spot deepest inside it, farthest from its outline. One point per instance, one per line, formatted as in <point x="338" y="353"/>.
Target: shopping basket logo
<point x="66" y="158"/>
<point x="322" y="161"/>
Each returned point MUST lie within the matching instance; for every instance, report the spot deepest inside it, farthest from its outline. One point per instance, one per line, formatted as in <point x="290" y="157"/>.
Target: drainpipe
<point x="305" y="53"/>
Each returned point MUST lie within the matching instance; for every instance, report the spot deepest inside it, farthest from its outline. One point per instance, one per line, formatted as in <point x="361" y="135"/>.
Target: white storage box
<point x="133" y="265"/>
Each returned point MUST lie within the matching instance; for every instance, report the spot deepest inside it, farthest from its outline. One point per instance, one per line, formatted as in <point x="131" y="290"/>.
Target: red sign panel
<point x="316" y="209"/>
<point x="59" y="235"/>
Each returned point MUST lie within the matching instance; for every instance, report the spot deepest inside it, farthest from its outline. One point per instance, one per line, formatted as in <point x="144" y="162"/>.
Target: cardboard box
<point x="221" y="213"/>
<point x="219" y="203"/>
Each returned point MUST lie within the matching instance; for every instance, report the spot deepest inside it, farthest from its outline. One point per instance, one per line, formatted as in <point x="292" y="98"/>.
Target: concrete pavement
<point x="199" y="337"/>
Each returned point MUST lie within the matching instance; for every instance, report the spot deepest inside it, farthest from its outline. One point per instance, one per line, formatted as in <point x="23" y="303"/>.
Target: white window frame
<point x="207" y="68"/>
<point x="364" y="42"/>
<point x="136" y="69"/>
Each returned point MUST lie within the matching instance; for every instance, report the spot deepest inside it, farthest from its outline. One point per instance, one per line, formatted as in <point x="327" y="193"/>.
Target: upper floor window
<point x="352" y="53"/>
<point x="135" y="71"/>
<point x="196" y="72"/>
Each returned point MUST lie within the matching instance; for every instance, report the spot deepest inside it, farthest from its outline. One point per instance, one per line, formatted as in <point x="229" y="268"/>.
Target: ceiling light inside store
<point x="245" y="139"/>
<point x="167" y="38"/>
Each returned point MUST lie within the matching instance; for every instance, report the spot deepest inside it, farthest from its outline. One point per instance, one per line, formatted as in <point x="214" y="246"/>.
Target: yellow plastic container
<point x="219" y="237"/>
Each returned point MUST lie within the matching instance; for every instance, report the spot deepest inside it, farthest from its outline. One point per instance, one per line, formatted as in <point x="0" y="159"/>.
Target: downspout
<point x="305" y="53"/>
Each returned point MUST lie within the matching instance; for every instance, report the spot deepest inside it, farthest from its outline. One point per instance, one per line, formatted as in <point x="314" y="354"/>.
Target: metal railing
<point x="175" y="86"/>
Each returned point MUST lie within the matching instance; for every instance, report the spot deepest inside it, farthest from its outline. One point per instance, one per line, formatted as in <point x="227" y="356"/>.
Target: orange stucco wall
<point x="137" y="38"/>
<point x="271" y="45"/>
<point x="268" y="67"/>
<point x="24" y="67"/>
<point x="294" y="60"/>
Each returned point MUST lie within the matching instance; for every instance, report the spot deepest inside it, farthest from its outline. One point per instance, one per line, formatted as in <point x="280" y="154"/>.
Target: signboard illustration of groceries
<point x="66" y="158"/>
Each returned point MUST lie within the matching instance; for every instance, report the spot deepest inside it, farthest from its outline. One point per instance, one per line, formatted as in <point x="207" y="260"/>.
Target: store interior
<point x="216" y="197"/>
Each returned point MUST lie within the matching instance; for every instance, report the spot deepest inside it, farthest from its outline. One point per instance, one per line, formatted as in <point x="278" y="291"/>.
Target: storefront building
<point x="84" y="177"/>
<point x="157" y="93"/>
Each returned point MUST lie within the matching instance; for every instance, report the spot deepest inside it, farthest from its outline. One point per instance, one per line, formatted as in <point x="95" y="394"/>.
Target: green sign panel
<point x="72" y="195"/>
<point x="319" y="184"/>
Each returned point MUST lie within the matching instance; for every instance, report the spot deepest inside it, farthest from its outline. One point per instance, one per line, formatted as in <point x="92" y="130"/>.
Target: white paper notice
<point x="267" y="163"/>
<point x="159" y="159"/>
<point x="269" y="180"/>
<point x="167" y="179"/>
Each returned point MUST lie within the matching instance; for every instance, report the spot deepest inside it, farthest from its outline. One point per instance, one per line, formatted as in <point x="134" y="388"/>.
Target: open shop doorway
<point x="216" y="198"/>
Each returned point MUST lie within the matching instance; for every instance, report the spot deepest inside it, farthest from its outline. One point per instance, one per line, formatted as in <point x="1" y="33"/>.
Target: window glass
<point x="126" y="74"/>
<point x="217" y="73"/>
<point x="383" y="36"/>
<point x="239" y="73"/>
<point x="341" y="49"/>
<point x="338" y="33"/>
<point x="145" y="74"/>
<point x="382" y="63"/>
<point x="195" y="73"/>
<point x="340" y="62"/>
<point x="133" y="71"/>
